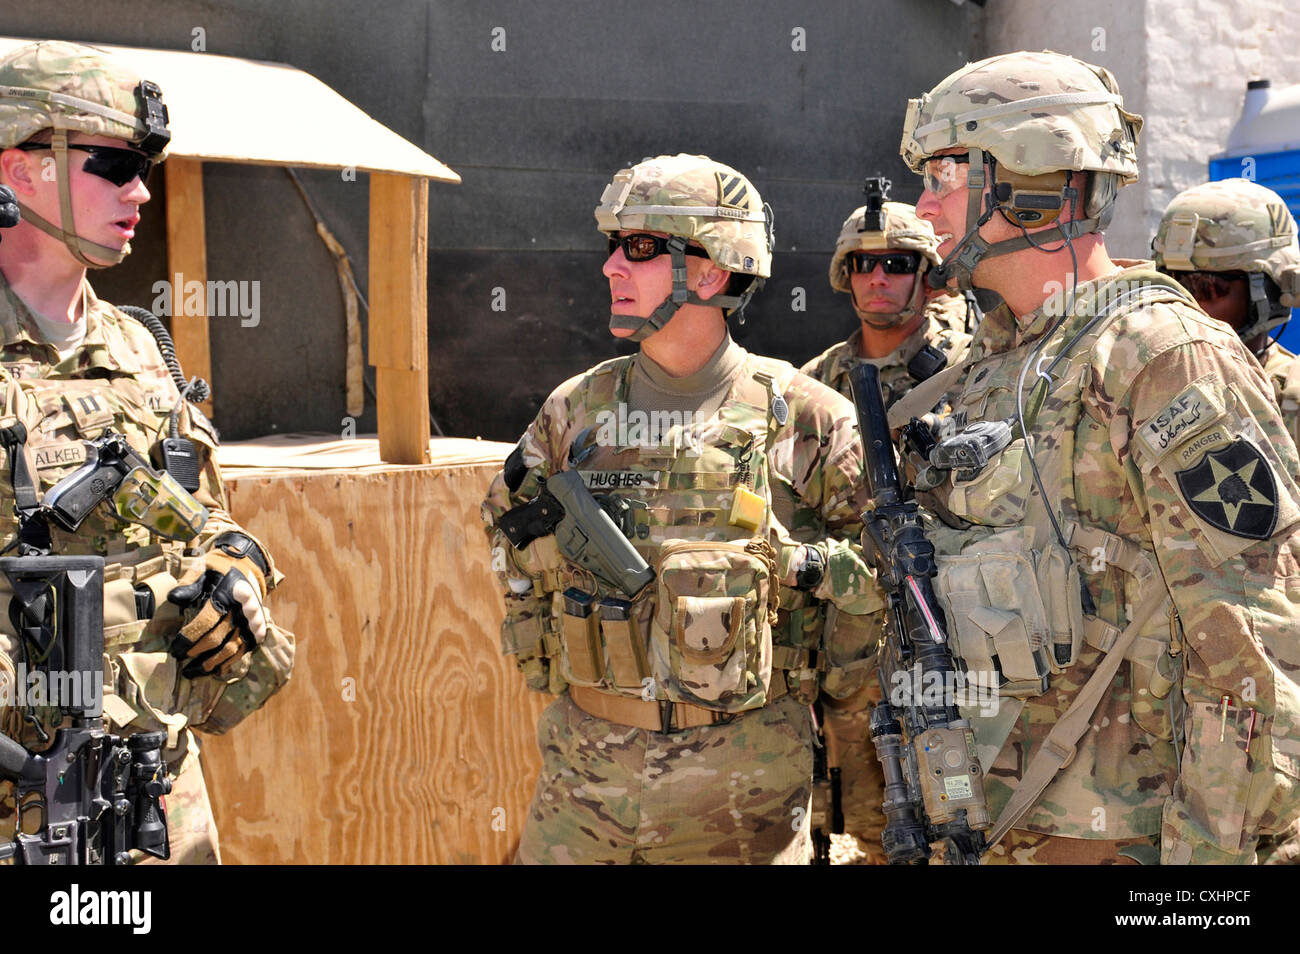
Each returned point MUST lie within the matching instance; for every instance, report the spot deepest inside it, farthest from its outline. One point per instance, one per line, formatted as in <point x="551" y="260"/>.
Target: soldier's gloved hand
<point x="228" y="590"/>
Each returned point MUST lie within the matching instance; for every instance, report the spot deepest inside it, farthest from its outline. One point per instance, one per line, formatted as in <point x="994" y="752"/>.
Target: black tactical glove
<point x="228" y="590"/>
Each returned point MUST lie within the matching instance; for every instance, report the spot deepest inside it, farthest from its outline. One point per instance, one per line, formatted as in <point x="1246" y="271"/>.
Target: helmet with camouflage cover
<point x="1034" y="118"/>
<point x="691" y="198"/>
<point x="899" y="228"/>
<point x="66" y="87"/>
<point x="1236" y="225"/>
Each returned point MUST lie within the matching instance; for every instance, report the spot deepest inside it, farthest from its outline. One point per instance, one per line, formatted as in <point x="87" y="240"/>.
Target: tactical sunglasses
<point x="894" y="263"/>
<point x="118" y="166"/>
<point x="939" y="174"/>
<point x="1207" y="285"/>
<point x="640" y="247"/>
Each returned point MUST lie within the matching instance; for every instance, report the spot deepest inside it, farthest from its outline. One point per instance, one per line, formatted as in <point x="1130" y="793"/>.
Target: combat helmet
<point x="1033" y="118"/>
<point x="691" y="198"/>
<point x="1236" y="225"/>
<point x="66" y="87"/>
<point x="880" y="225"/>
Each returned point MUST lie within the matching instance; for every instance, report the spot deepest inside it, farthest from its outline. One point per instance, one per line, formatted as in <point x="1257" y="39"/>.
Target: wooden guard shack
<point x="403" y="736"/>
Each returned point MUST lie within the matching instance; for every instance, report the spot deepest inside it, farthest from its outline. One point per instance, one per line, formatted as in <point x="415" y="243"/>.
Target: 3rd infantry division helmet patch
<point x="1232" y="490"/>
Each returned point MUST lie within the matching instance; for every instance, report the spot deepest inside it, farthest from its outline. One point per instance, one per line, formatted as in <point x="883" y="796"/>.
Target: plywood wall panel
<point x="404" y="736"/>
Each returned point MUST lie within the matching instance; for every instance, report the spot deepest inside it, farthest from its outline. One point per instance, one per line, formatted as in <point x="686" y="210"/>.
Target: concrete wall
<point x="537" y="130"/>
<point x="1182" y="64"/>
<point x="579" y="90"/>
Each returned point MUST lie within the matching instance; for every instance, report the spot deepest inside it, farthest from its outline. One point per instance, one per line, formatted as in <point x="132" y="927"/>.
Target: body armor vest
<point x="1010" y="589"/>
<point x="695" y="498"/>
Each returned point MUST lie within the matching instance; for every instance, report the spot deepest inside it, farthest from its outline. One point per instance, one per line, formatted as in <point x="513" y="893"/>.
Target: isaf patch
<point x="1233" y="490"/>
<point x="1196" y="408"/>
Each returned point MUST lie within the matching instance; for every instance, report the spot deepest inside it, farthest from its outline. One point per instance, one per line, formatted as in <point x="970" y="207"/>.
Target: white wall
<point x="1182" y="64"/>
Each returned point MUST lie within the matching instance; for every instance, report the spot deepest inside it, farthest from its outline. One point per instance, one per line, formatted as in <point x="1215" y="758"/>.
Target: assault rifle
<point x="90" y="797"/>
<point x="934" y="786"/>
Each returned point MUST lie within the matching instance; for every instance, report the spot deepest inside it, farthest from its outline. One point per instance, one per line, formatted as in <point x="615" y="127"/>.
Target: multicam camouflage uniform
<point x="1236" y="225"/>
<point x="733" y="784"/>
<point x="1283" y="370"/>
<point x="1169" y="472"/>
<point x="944" y="328"/>
<point x="116" y="379"/>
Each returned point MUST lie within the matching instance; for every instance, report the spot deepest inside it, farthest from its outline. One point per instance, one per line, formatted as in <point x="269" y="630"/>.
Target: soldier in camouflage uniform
<point x="909" y="331"/>
<point x="682" y="732"/>
<point x="188" y="642"/>
<point x="1233" y="245"/>
<point x="1127" y="566"/>
<point x="883" y="270"/>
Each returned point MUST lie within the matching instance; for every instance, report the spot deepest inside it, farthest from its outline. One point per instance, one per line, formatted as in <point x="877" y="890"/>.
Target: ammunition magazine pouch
<point x="604" y="642"/>
<point x="991" y="593"/>
<point x="1003" y="600"/>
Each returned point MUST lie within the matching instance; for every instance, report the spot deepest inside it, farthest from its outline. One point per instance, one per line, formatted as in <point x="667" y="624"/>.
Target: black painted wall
<point x="580" y="89"/>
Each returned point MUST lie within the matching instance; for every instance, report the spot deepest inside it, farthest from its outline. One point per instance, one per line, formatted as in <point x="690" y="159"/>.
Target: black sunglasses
<point x="894" y="263"/>
<point x="640" y="247"/>
<point x="118" y="166"/>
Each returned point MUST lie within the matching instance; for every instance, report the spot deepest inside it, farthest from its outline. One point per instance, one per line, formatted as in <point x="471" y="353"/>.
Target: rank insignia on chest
<point x="1232" y="489"/>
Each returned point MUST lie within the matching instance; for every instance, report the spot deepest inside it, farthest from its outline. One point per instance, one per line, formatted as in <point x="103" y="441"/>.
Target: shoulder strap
<point x="924" y="396"/>
<point x="1057" y="750"/>
<point x="774" y="377"/>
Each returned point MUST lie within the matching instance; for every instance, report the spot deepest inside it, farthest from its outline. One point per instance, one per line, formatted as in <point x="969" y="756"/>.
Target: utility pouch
<point x="582" y="653"/>
<point x="1058" y="576"/>
<point x="711" y="637"/>
<point x="998" y="495"/>
<point x="1150" y="688"/>
<point x="990" y="595"/>
<point x="624" y="644"/>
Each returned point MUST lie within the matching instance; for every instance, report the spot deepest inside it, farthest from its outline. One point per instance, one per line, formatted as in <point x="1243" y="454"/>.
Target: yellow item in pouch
<point x="747" y="509"/>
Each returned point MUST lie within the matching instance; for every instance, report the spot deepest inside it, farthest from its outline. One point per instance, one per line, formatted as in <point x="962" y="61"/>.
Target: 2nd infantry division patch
<point x="1232" y="489"/>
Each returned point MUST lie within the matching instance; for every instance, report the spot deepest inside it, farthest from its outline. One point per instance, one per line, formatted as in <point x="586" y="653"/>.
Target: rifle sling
<point x="1057" y="750"/>
<point x="922" y="398"/>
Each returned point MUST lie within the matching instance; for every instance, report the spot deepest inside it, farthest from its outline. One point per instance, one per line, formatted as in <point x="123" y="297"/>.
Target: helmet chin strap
<point x="1267" y="316"/>
<point x="79" y="247"/>
<point x="643" y="328"/>
<point x="973" y="247"/>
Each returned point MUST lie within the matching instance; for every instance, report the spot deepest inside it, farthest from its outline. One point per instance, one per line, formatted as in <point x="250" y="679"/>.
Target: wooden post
<point x="187" y="261"/>
<point x="399" y="335"/>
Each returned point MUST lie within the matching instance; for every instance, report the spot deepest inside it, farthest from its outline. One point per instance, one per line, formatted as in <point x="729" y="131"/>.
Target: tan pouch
<point x="1058" y="575"/>
<point x="996" y="497"/>
<point x="624" y="645"/>
<point x="711" y="637"/>
<point x="585" y="663"/>
<point x="989" y="593"/>
<point x="146" y="686"/>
